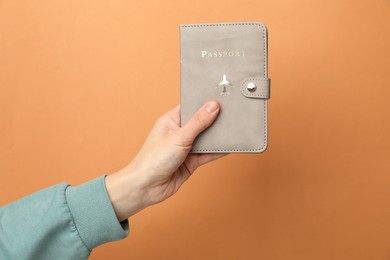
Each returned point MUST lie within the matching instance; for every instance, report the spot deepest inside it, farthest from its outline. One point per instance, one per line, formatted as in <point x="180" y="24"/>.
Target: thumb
<point x="201" y="120"/>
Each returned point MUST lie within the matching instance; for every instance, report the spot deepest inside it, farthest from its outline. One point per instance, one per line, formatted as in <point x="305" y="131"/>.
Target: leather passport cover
<point x="226" y="62"/>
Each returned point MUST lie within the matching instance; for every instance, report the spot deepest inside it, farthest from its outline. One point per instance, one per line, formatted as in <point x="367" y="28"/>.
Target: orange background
<point x="82" y="82"/>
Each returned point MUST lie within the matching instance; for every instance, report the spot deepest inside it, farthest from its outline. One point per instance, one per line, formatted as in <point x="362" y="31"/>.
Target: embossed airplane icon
<point x="224" y="83"/>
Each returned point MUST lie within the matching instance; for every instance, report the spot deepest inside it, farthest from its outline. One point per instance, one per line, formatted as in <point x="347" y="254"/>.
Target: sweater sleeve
<point x="60" y="222"/>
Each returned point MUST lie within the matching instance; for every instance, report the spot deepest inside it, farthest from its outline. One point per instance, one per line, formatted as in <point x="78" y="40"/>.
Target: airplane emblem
<point x="224" y="84"/>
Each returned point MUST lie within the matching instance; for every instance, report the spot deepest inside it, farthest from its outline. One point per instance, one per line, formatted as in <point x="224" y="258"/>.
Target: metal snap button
<point x="251" y="87"/>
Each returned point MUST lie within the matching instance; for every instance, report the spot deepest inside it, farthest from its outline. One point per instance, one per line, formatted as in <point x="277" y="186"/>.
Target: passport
<point x="226" y="62"/>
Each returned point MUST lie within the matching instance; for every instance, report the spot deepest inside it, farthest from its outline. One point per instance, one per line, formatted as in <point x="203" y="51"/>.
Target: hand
<point x="163" y="164"/>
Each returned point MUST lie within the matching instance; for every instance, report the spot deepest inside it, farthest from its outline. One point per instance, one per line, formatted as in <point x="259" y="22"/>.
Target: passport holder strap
<point x="256" y="87"/>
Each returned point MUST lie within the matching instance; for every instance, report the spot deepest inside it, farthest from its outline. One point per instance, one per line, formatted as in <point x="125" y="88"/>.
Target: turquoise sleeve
<point x="60" y="222"/>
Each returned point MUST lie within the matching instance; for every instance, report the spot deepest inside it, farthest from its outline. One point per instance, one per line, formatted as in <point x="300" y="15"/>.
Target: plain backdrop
<point x="82" y="82"/>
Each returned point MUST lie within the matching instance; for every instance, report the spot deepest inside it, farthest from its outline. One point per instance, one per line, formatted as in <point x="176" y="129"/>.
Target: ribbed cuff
<point x="93" y="213"/>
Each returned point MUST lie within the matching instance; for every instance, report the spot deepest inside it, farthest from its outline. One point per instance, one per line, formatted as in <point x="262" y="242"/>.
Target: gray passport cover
<point x="226" y="62"/>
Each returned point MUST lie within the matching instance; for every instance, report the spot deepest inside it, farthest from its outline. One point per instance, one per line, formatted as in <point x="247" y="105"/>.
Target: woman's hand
<point x="163" y="164"/>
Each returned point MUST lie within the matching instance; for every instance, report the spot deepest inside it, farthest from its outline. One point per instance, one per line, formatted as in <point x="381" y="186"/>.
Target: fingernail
<point x="211" y="106"/>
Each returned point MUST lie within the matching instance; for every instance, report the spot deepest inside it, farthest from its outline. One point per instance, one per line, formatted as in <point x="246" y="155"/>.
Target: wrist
<point x="126" y="193"/>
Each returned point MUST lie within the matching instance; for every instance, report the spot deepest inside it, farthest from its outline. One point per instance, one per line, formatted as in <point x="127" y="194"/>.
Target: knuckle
<point x="160" y="119"/>
<point x="198" y="119"/>
<point x="184" y="139"/>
